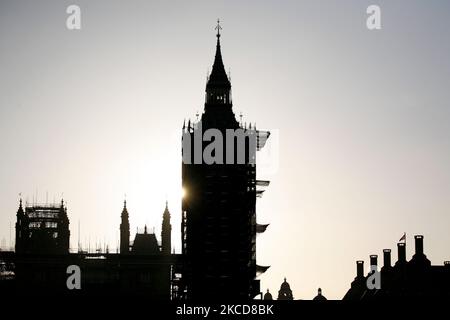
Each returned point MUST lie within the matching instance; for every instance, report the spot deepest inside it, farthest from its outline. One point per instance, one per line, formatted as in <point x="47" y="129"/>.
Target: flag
<point x="403" y="238"/>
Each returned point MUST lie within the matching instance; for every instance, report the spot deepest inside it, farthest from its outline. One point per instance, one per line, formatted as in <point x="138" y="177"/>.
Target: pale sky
<point x="362" y="119"/>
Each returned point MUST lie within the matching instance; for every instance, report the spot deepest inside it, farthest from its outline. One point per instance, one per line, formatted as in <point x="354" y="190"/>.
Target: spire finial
<point x="218" y="28"/>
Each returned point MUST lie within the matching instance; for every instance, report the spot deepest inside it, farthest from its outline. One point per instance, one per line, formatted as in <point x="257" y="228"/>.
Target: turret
<point x="166" y="232"/>
<point x="124" y="230"/>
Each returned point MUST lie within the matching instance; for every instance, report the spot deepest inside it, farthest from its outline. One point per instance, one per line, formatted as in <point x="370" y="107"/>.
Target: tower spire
<point x="218" y="87"/>
<point x="166" y="231"/>
<point x="20" y="200"/>
<point x="124" y="230"/>
<point x="218" y="28"/>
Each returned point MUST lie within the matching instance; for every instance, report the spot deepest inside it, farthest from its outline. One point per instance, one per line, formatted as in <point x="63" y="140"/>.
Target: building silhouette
<point x="267" y="295"/>
<point x="412" y="279"/>
<point x="218" y="228"/>
<point x="39" y="263"/>
<point x="125" y="230"/>
<point x="166" y="232"/>
<point x="219" y="210"/>
<point x="145" y="242"/>
<point x="285" y="292"/>
<point x="218" y="233"/>
<point x="42" y="229"/>
<point x="319" y="296"/>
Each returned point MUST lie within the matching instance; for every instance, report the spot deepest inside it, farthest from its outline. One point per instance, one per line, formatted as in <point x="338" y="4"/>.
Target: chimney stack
<point x="387" y="258"/>
<point x="373" y="263"/>
<point x="401" y="246"/>
<point x="373" y="260"/>
<point x="419" y="244"/>
<point x="360" y="269"/>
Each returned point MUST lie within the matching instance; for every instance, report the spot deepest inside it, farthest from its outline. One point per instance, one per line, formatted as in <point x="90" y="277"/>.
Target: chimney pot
<point x="387" y="258"/>
<point x="419" y="244"/>
<point x="373" y="260"/>
<point x="401" y="252"/>
<point x="359" y="269"/>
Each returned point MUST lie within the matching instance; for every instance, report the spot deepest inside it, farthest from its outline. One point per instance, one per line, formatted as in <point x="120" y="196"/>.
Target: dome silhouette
<point x="285" y="292"/>
<point x="319" y="296"/>
<point x="268" y="295"/>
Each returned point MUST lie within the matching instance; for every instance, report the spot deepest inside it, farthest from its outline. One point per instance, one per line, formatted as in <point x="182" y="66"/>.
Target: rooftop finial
<point x="218" y="28"/>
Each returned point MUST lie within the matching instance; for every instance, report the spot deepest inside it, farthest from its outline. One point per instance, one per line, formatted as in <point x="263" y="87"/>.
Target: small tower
<point x="218" y="87"/>
<point x="319" y="296"/>
<point x="124" y="231"/>
<point x="63" y="232"/>
<point x="22" y="230"/>
<point x="285" y="292"/>
<point x="268" y="295"/>
<point x="166" y="231"/>
<point x="42" y="229"/>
